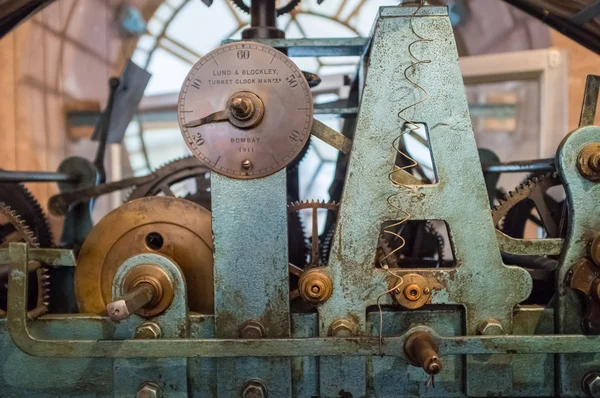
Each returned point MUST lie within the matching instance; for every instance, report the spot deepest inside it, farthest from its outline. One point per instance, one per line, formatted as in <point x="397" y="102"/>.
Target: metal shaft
<point x="35" y="176"/>
<point x="525" y="166"/>
<point x="131" y="302"/>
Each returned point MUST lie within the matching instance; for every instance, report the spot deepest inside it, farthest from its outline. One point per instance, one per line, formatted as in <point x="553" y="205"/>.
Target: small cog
<point x="512" y="212"/>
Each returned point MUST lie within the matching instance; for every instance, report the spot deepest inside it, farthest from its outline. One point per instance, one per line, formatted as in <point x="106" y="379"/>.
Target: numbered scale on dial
<point x="245" y="110"/>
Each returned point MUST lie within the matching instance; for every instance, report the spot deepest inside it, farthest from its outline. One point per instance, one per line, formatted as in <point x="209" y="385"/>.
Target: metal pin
<point x="131" y="302"/>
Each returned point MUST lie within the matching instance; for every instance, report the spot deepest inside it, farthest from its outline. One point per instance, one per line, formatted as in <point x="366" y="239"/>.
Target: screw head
<point x="590" y="384"/>
<point x="490" y="327"/>
<point x="148" y="330"/>
<point x="252" y="330"/>
<point x="241" y="108"/>
<point x="149" y="390"/>
<point x="246" y="164"/>
<point x="413" y="292"/>
<point x="254" y="389"/>
<point x="343" y="327"/>
<point x="315" y="286"/>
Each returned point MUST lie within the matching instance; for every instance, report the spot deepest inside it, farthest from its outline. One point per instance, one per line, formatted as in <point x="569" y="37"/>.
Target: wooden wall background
<point x="68" y="51"/>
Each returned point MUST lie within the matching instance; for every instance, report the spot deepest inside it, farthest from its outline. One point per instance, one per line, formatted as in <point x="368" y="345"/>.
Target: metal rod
<point x="35" y="176"/>
<point x="572" y="31"/>
<point x="524" y="166"/>
<point x="131" y="302"/>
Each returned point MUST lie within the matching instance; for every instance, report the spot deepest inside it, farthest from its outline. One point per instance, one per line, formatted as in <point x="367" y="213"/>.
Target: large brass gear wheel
<point x="173" y="227"/>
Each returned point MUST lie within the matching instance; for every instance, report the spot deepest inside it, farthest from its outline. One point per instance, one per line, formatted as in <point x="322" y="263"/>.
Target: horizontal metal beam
<point x="522" y="166"/>
<point x="334" y="47"/>
<point x="284" y="347"/>
<point x="35" y="176"/>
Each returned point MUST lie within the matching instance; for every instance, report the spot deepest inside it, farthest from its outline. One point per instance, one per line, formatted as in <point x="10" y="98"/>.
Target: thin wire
<point x="400" y="281"/>
<point x="394" y="228"/>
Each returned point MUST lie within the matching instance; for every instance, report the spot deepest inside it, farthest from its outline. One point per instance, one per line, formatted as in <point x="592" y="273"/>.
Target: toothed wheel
<point x="314" y="258"/>
<point x="19" y="199"/>
<point x="512" y="212"/>
<point x="280" y="11"/>
<point x="13" y="228"/>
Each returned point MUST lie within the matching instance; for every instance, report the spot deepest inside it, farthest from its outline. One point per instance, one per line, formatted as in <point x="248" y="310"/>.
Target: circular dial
<point x="245" y="110"/>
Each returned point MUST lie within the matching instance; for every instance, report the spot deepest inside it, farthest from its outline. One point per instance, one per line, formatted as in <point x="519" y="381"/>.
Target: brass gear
<point x="315" y="255"/>
<point x="533" y="189"/>
<point x="14" y="230"/>
<point x="173" y="227"/>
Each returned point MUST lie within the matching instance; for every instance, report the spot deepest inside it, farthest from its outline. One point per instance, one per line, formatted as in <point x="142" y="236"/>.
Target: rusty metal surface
<point x="251" y="274"/>
<point x="583" y="197"/>
<point x="169" y="374"/>
<point x="332" y="137"/>
<point x="459" y="198"/>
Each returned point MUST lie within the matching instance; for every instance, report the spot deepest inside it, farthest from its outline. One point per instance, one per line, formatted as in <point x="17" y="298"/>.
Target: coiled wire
<point x="408" y="127"/>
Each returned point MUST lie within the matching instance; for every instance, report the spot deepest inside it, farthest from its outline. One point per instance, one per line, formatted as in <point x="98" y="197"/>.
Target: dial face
<point x="245" y="110"/>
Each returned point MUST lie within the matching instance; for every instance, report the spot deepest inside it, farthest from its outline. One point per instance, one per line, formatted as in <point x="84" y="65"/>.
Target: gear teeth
<point x="521" y="192"/>
<point x="29" y="237"/>
<point x="313" y="204"/>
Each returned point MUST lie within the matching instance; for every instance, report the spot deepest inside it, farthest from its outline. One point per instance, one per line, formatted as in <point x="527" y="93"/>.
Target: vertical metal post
<point x="251" y="276"/>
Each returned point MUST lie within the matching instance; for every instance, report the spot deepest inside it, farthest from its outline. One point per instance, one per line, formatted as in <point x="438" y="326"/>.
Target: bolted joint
<point x="343" y="327"/>
<point x="590" y="384"/>
<point x="254" y="389"/>
<point x="315" y="286"/>
<point x="490" y="327"/>
<point x="252" y="330"/>
<point x="421" y="350"/>
<point x="588" y="162"/>
<point x="148" y="330"/>
<point x="149" y="389"/>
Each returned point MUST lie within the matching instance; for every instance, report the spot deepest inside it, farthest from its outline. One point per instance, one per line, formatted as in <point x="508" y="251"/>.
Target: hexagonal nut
<point x="149" y="390"/>
<point x="148" y="330"/>
<point x="254" y="389"/>
<point x="590" y="384"/>
<point x="490" y="327"/>
<point x="252" y="330"/>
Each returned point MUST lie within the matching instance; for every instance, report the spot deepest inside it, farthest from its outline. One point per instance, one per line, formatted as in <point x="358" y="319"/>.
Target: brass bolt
<point x="254" y="389"/>
<point x="148" y="330"/>
<point x="315" y="286"/>
<point x="490" y="327"/>
<point x="413" y="292"/>
<point x="149" y="390"/>
<point x="588" y="162"/>
<point x="246" y="164"/>
<point x="421" y="350"/>
<point x="242" y="108"/>
<point x="252" y="330"/>
<point x="343" y="327"/>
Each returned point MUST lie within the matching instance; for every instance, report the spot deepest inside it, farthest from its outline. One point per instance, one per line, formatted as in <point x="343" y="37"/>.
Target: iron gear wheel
<point x="19" y="198"/>
<point x="13" y="228"/>
<point x="174" y="172"/>
<point x="280" y="11"/>
<point x="512" y="212"/>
